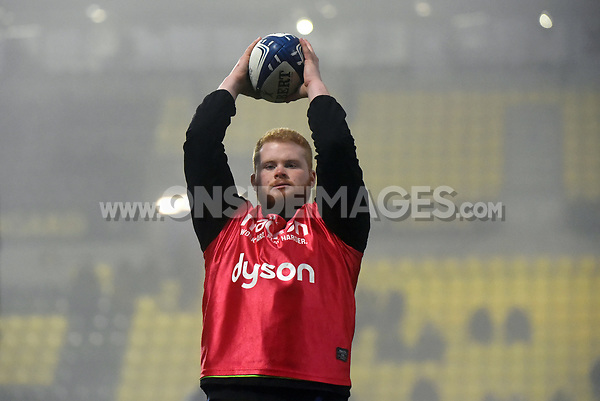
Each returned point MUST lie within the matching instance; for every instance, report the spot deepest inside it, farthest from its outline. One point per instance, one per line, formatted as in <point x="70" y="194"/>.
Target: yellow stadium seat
<point x="30" y="348"/>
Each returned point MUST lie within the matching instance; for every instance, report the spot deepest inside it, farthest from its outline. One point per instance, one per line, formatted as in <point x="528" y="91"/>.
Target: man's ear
<point x="313" y="178"/>
<point x="253" y="181"/>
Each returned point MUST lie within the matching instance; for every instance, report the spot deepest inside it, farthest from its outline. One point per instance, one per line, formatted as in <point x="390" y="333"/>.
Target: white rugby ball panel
<point x="281" y="83"/>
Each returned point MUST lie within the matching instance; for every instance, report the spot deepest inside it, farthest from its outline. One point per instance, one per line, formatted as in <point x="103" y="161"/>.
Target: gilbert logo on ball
<point x="276" y="66"/>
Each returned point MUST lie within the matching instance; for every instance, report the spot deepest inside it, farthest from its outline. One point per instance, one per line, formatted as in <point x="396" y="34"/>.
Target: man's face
<point x="283" y="177"/>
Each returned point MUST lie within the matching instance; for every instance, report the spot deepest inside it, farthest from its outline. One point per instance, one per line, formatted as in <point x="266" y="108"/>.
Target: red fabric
<point x="279" y="299"/>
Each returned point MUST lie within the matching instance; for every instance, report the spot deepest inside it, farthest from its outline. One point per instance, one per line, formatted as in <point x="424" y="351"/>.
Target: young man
<point x="278" y="304"/>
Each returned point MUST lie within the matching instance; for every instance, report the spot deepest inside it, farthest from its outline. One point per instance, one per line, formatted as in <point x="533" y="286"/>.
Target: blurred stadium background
<point x="498" y="99"/>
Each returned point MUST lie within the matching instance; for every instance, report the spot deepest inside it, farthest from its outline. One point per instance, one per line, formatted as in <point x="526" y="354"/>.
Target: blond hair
<point x="282" y="135"/>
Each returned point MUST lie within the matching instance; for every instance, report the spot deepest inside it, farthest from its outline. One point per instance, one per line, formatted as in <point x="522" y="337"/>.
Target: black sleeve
<point x="209" y="179"/>
<point x="341" y="193"/>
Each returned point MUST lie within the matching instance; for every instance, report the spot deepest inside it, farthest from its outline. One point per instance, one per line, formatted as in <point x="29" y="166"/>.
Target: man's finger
<point x="249" y="49"/>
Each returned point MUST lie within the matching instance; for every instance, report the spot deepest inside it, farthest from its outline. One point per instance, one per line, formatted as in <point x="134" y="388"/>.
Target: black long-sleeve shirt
<point x="341" y="194"/>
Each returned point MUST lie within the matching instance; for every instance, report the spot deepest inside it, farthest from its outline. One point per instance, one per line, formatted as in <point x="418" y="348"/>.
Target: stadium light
<point x="423" y="9"/>
<point x="546" y="20"/>
<point x="173" y="205"/>
<point x="328" y="10"/>
<point x="304" y="26"/>
<point x="96" y="13"/>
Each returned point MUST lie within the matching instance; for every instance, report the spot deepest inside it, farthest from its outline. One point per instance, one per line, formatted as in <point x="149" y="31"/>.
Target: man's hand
<point x="313" y="86"/>
<point x="238" y="81"/>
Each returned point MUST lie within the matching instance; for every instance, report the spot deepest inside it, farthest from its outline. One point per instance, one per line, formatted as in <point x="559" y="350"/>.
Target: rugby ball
<point x="276" y="66"/>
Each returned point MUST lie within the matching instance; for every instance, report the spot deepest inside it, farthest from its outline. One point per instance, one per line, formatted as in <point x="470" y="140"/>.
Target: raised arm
<point x="205" y="165"/>
<point x="341" y="192"/>
<point x="339" y="175"/>
<point x="209" y="178"/>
